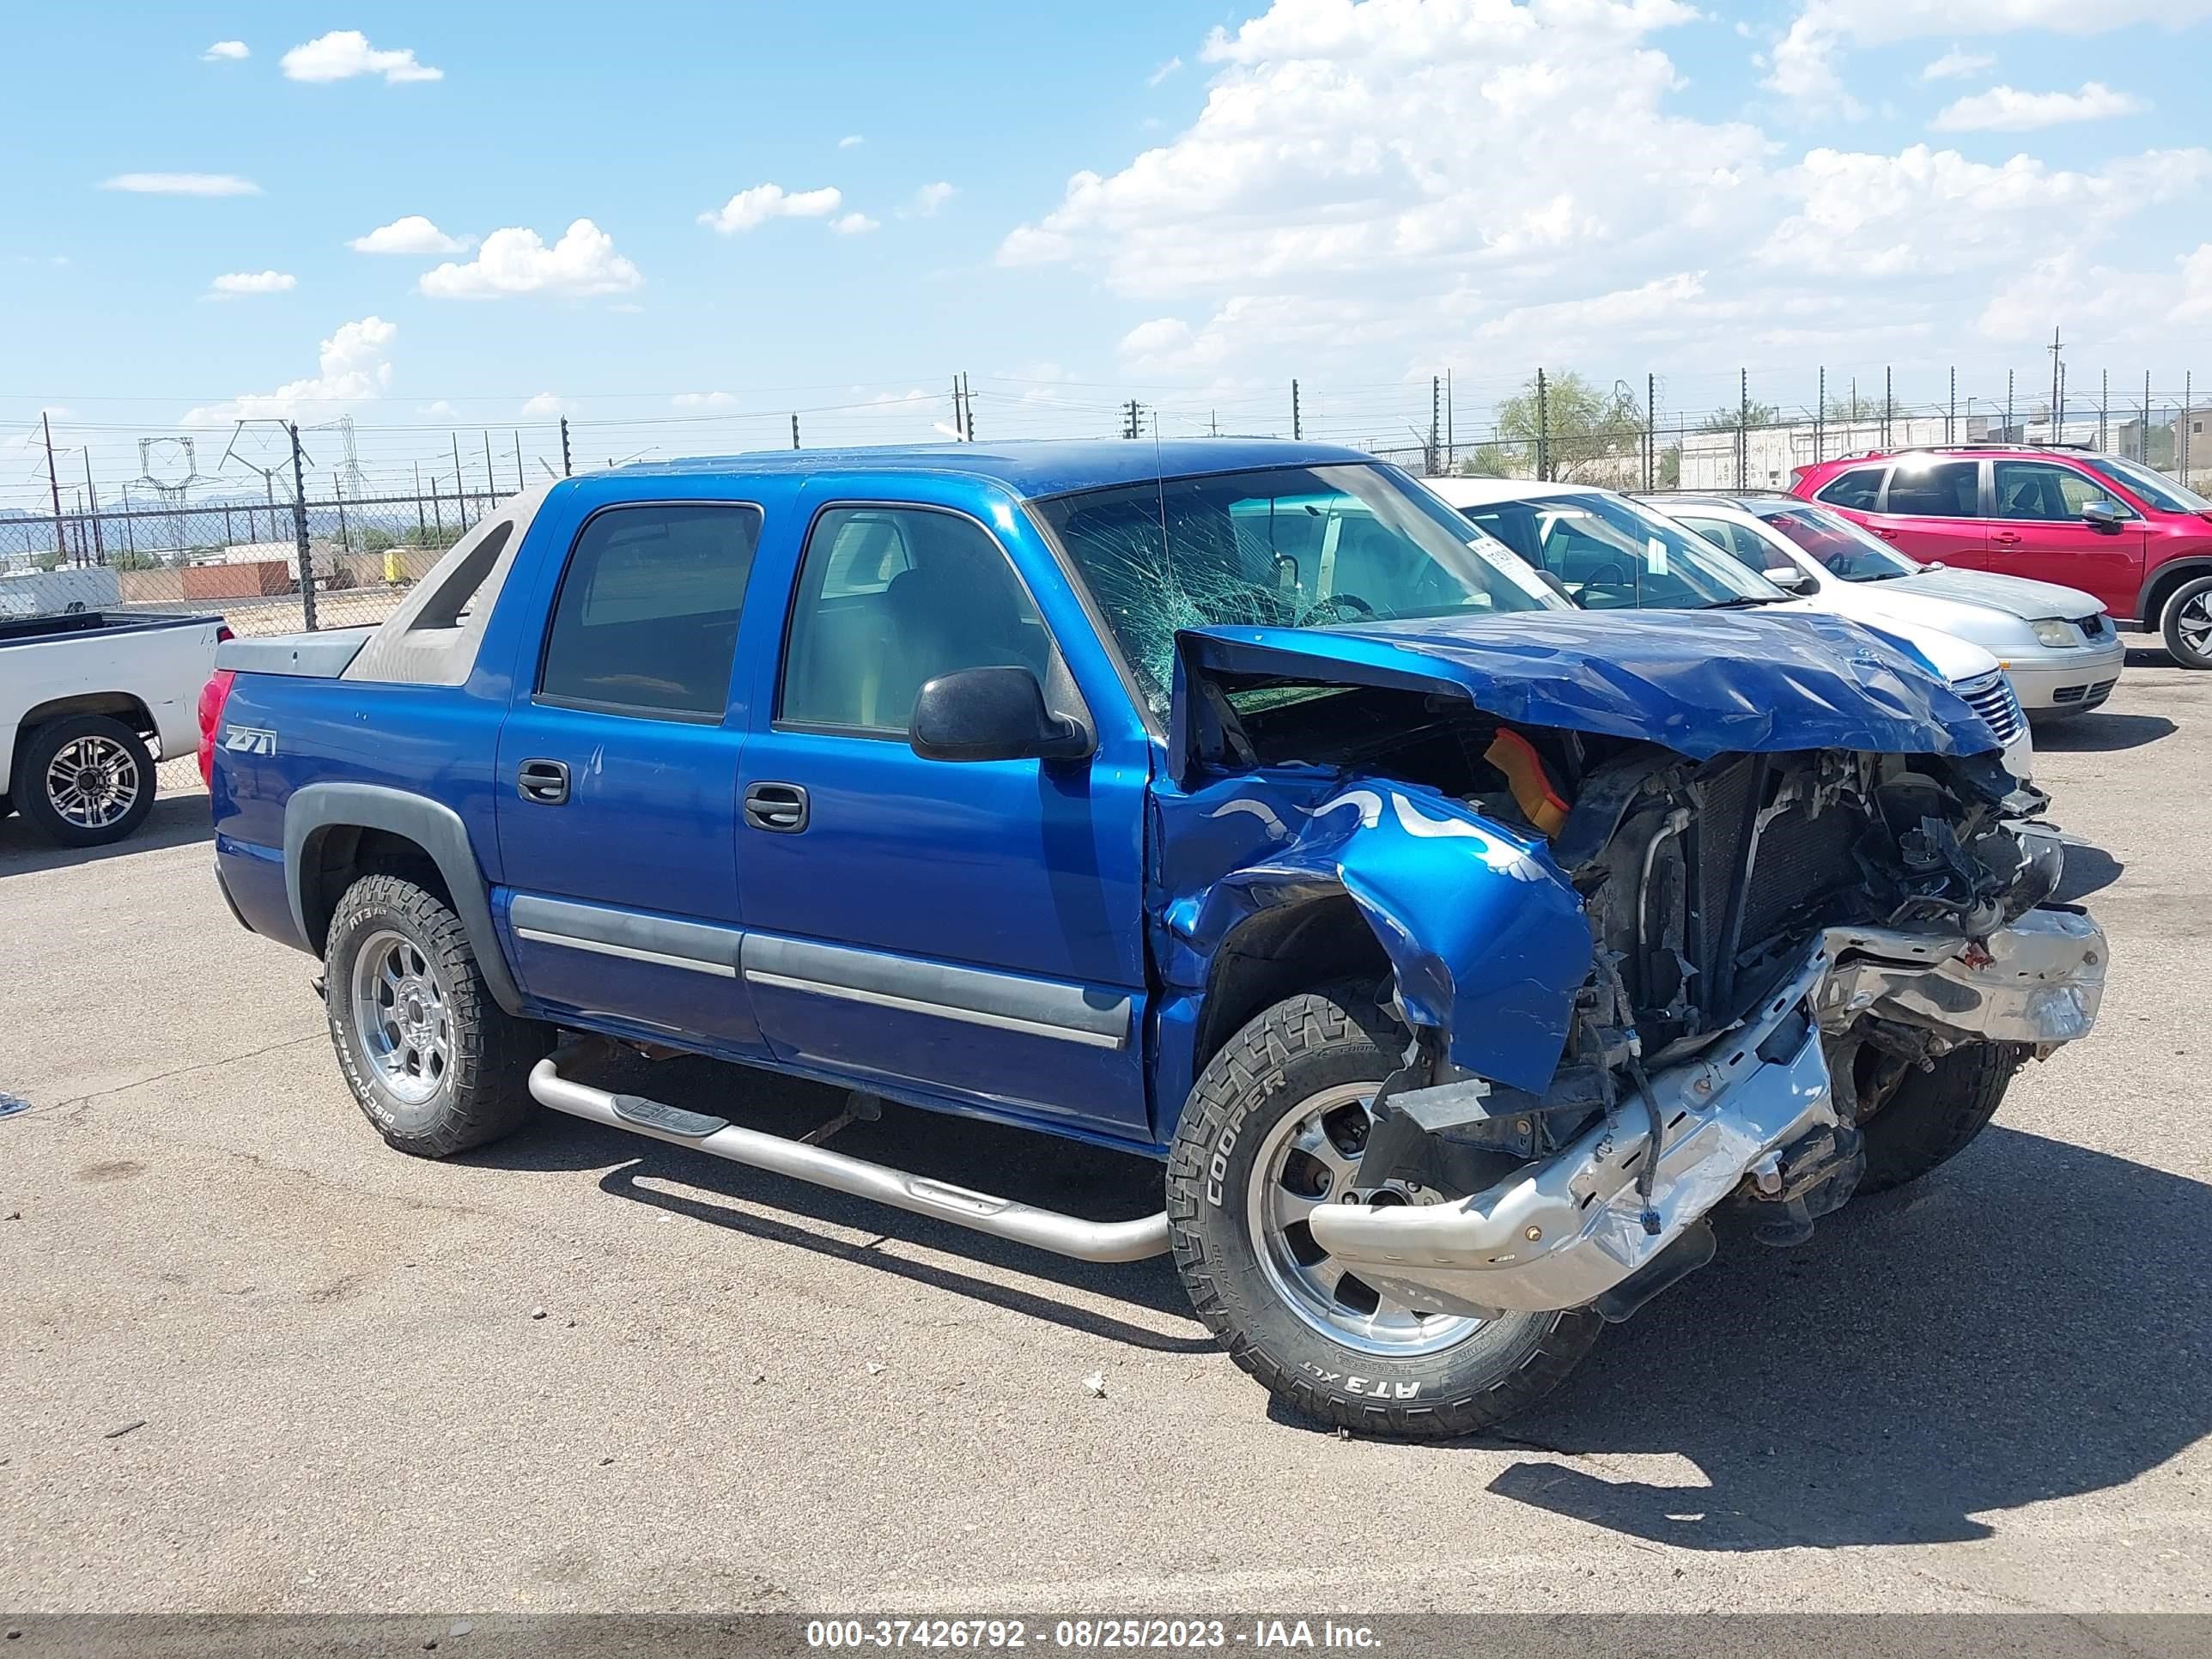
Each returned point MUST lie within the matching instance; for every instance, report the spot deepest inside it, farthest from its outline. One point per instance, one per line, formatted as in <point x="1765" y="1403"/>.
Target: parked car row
<point x="1468" y="923"/>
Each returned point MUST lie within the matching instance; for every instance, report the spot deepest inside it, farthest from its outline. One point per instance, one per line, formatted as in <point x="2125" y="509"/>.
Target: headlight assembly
<point x="2053" y="632"/>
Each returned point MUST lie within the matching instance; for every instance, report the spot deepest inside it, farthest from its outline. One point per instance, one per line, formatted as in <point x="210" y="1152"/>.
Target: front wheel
<point x="1275" y="1127"/>
<point x="2186" y="621"/>
<point x="1930" y="1117"/>
<point x="434" y="1063"/>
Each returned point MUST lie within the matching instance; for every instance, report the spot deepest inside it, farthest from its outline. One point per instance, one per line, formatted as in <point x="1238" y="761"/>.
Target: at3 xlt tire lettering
<point x="1330" y="1042"/>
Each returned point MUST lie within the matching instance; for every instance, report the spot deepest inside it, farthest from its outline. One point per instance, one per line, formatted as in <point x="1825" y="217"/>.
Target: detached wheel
<point x="2186" y="623"/>
<point x="85" y="781"/>
<point x="435" y="1064"/>
<point x="1275" y="1130"/>
<point x="1930" y="1117"/>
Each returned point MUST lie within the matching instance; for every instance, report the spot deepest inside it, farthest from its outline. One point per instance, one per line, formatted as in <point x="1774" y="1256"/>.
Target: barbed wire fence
<point x="311" y="525"/>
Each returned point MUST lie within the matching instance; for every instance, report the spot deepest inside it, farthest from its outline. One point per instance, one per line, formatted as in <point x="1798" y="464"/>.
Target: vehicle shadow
<point x="2150" y="656"/>
<point x="2101" y="733"/>
<point x="2016" y="1328"/>
<point x="175" y="821"/>
<point x="1043" y="1171"/>
<point x="2088" y="869"/>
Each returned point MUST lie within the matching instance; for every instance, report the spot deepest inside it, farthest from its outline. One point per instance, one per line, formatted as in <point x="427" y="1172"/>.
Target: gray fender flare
<point x="437" y="828"/>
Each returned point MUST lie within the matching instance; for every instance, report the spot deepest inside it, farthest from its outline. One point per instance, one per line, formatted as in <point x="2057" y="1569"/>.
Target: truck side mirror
<point x="991" y="715"/>
<point x="2102" y="516"/>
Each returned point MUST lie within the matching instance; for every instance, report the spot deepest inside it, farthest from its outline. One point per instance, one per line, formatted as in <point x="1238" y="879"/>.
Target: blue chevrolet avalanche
<point x="1469" y="961"/>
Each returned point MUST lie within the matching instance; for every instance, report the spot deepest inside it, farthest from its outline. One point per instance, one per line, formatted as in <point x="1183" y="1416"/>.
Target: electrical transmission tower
<point x="177" y="461"/>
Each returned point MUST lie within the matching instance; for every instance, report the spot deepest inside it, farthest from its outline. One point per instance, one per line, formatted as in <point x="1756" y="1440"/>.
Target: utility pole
<point x="2058" y="397"/>
<point x="491" y="485"/>
<point x="1436" y="419"/>
<point x="959" y="415"/>
<point x="521" y="483"/>
<point x="61" y="543"/>
<point x="967" y="406"/>
<point x="1651" y="428"/>
<point x="92" y="494"/>
<point x="1296" y="431"/>
<point x="422" y="528"/>
<point x="299" y="530"/>
<point x="1543" y="429"/>
<point x="437" y="509"/>
<point x="460" y="485"/>
<point x="565" y="445"/>
<point x="337" y="495"/>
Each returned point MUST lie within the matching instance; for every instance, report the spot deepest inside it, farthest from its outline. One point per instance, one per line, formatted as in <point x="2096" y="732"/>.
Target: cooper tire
<point x="2186" y="623"/>
<point x="84" y="781"/>
<point x="1332" y="1044"/>
<point x="1932" y="1116"/>
<point x="434" y="1063"/>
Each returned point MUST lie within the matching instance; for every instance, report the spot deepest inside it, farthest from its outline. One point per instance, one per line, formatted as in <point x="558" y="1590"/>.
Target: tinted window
<point x="1935" y="489"/>
<point x="1739" y="543"/>
<point x="1612" y="554"/>
<point x="1286" y="547"/>
<point x="647" y="621"/>
<point x="2039" y="490"/>
<point x="1857" y="489"/>
<point x="890" y="599"/>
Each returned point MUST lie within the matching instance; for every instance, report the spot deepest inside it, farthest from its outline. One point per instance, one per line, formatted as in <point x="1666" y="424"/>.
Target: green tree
<point x="1725" y="419"/>
<point x="1853" y="405"/>
<point x="1590" y="433"/>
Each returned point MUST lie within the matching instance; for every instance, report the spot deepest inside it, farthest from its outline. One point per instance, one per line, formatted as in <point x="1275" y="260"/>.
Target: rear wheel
<point x="1274" y="1128"/>
<point x="434" y="1063"/>
<point x="2186" y="621"/>
<point x="85" y="781"/>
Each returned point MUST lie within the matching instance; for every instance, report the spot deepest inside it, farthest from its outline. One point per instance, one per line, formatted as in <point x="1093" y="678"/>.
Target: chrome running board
<point x="1002" y="1218"/>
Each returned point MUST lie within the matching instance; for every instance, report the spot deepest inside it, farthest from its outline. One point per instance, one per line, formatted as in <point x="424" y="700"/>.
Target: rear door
<point x="2036" y="530"/>
<point x="1931" y="509"/>
<point x="971" y="932"/>
<point x="617" y="786"/>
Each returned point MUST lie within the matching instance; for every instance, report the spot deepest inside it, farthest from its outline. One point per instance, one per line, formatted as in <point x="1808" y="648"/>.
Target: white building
<point x="1769" y="454"/>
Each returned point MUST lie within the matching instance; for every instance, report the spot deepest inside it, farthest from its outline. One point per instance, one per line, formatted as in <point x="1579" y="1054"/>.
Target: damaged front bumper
<point x="1564" y="1231"/>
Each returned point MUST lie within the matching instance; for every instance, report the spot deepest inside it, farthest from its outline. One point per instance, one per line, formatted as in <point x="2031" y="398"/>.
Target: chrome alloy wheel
<point x="92" y="782"/>
<point x="2194" y="623"/>
<point x="400" y="1008"/>
<point x="1311" y="1157"/>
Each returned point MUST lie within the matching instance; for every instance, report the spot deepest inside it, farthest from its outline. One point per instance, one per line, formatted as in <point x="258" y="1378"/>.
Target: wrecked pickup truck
<point x="1465" y="957"/>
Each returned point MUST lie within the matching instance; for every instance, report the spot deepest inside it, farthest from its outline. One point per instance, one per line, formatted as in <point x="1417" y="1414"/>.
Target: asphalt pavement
<point x="252" y="1360"/>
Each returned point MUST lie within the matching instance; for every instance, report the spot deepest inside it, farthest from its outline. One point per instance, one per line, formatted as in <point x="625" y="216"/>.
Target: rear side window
<point x="646" y="620"/>
<point x="1857" y="489"/>
<point x="2045" y="490"/>
<point x="1944" y="489"/>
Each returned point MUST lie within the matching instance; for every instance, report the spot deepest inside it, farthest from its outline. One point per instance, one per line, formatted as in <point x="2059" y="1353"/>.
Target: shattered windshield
<point x="1283" y="547"/>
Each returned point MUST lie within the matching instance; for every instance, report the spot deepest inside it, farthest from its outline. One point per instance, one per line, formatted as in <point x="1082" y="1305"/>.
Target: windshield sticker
<point x="1655" y="556"/>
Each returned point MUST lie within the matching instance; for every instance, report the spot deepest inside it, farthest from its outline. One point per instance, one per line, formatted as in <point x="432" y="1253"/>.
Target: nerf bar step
<point x="1002" y="1218"/>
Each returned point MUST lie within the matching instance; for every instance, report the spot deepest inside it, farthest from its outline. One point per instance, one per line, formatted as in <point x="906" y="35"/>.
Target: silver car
<point x="2058" y="648"/>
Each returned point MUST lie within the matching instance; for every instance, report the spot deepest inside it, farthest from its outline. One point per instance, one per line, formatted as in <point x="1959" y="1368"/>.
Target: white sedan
<point x="1608" y="551"/>
<point x="2057" y="667"/>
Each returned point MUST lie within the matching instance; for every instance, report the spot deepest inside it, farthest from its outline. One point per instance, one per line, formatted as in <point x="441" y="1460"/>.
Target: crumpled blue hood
<point x="1700" y="682"/>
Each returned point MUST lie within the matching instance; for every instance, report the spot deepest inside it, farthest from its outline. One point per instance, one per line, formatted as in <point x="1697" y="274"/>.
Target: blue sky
<point x="1358" y="196"/>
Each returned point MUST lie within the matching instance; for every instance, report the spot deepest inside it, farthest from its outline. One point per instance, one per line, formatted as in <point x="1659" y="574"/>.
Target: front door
<point x="971" y="932"/>
<point x="1932" y="511"/>
<point x="618" y="779"/>
<point x="2036" y="531"/>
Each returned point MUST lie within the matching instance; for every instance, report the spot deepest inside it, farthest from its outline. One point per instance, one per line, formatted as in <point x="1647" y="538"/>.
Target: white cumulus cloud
<point x="236" y="284"/>
<point x="225" y="51"/>
<point x="344" y="53"/>
<point x="852" y="224"/>
<point x="2007" y="109"/>
<point x="182" y="184"/>
<point x="516" y="261"/>
<point x="751" y="209"/>
<point x="1957" y="65"/>
<point x="931" y="196"/>
<point x="410" y="233"/>
<point x="851" y="141"/>
<point x="353" y="366"/>
<point x="703" y="400"/>
<point x="547" y="406"/>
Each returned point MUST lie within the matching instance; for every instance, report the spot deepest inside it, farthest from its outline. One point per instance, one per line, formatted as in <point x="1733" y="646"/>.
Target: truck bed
<point x="23" y="630"/>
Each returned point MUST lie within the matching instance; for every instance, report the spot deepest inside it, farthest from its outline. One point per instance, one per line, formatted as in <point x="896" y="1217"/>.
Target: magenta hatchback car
<point x="2138" y="541"/>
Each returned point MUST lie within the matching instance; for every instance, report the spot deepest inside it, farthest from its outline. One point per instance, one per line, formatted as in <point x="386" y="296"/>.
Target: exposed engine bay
<point x="1775" y="940"/>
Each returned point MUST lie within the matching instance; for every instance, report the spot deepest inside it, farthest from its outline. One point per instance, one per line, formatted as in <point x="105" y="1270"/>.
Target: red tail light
<point x="213" y="695"/>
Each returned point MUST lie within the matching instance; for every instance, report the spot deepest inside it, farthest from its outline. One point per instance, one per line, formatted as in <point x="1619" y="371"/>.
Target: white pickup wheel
<point x="85" y="781"/>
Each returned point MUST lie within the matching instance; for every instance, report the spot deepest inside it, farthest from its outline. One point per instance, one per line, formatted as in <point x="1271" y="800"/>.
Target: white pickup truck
<point x="87" y="699"/>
